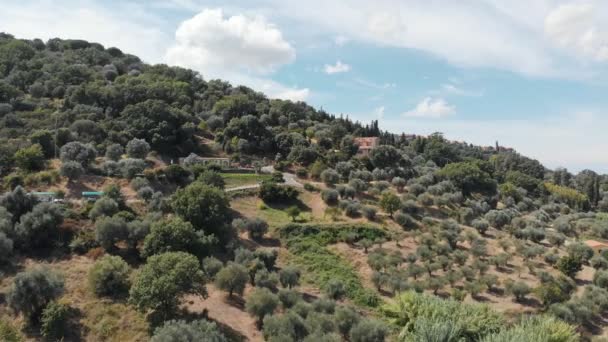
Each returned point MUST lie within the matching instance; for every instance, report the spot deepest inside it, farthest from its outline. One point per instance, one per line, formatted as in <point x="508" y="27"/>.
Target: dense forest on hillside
<point x="304" y="238"/>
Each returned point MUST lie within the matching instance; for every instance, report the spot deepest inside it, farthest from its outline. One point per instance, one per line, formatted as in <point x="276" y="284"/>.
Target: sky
<point x="530" y="74"/>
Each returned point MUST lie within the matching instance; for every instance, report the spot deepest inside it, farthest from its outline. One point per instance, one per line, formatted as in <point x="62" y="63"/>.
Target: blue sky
<point x="530" y="74"/>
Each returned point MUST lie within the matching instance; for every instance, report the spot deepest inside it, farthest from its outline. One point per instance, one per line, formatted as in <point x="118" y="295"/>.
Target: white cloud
<point x="339" y="67"/>
<point x="341" y="40"/>
<point x="464" y="33"/>
<point x="212" y="43"/>
<point x="453" y="89"/>
<point x="379" y="112"/>
<point x="371" y="84"/>
<point x="238" y="48"/>
<point x="577" y="27"/>
<point x="431" y="108"/>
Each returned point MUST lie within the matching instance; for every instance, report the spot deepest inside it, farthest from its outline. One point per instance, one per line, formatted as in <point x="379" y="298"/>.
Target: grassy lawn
<point x="234" y="180"/>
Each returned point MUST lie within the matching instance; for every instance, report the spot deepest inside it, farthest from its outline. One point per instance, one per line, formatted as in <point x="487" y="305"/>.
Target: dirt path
<point x="230" y="313"/>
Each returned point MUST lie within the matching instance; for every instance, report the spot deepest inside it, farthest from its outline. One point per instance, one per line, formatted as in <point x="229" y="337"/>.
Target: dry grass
<point x="96" y="319"/>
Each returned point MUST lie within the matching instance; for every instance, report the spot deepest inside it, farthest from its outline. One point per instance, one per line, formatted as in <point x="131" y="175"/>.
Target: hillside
<point x="118" y="223"/>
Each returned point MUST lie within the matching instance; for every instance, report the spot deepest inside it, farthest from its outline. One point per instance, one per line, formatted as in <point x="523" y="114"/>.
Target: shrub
<point x="206" y="207"/>
<point x="580" y="251"/>
<point x="536" y="328"/>
<point x="301" y="173"/>
<point x="352" y="209"/>
<point x="9" y="333"/>
<point x="369" y="212"/>
<point x="6" y="247"/>
<point x="474" y="320"/>
<point x="104" y="206"/>
<point x="145" y="193"/>
<point x="40" y="227"/>
<point x="211" y="266"/>
<point x="261" y="302"/>
<point x="198" y="330"/>
<point x="390" y="203"/>
<point x="129" y="168"/>
<point x="335" y="289"/>
<point x="368" y="331"/>
<point x="212" y="178"/>
<point x="138" y="183"/>
<point x="173" y="235"/>
<point x="289" y="276"/>
<point x="164" y="279"/>
<point x="600" y="279"/>
<point x="271" y="192"/>
<point x="287" y="327"/>
<point x="32" y="291"/>
<point x="498" y="218"/>
<point x="176" y="174"/>
<point x="266" y="279"/>
<point x="310" y="188"/>
<point x="330" y="196"/>
<point x="114" y="152"/>
<point x="330" y="177"/>
<point x="569" y="265"/>
<point x="289" y="297"/>
<point x="138" y="149"/>
<point x="78" y="152"/>
<point x="54" y="321"/>
<point x="109" y="231"/>
<point x="404" y="220"/>
<point x="109" y="276"/>
<point x="232" y="278"/>
<point x="480" y="225"/>
<point x="256" y="227"/>
<point x="71" y="170"/>
<point x="518" y="289"/>
<point x="293" y="212"/>
<point x="30" y="158"/>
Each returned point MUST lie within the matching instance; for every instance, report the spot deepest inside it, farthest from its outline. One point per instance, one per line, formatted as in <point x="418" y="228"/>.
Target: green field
<point x="234" y="180"/>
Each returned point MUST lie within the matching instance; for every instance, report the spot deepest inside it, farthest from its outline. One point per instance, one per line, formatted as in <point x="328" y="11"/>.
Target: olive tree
<point x="232" y="278"/>
<point x="40" y="227"/>
<point x="198" y="330"/>
<point x="261" y="302"/>
<point x="78" y="152"/>
<point x="172" y="235"/>
<point x="109" y="276"/>
<point x="71" y="170"/>
<point x="368" y="331"/>
<point x="104" y="206"/>
<point x="206" y="207"/>
<point x="109" y="231"/>
<point x="32" y="291"/>
<point x="114" y="152"/>
<point x="164" y="279"/>
<point x="138" y="148"/>
<point x="289" y="276"/>
<point x="389" y="202"/>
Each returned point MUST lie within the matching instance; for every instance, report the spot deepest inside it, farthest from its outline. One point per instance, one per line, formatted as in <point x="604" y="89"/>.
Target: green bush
<point x="474" y="320"/>
<point x="9" y="333"/>
<point x="536" y="328"/>
<point x="164" y="279"/>
<point x="368" y="331"/>
<point x="32" y="291"/>
<point x="232" y="278"/>
<point x="198" y="330"/>
<point x="271" y="192"/>
<point x="260" y="303"/>
<point x="109" y="276"/>
<point x="54" y="321"/>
